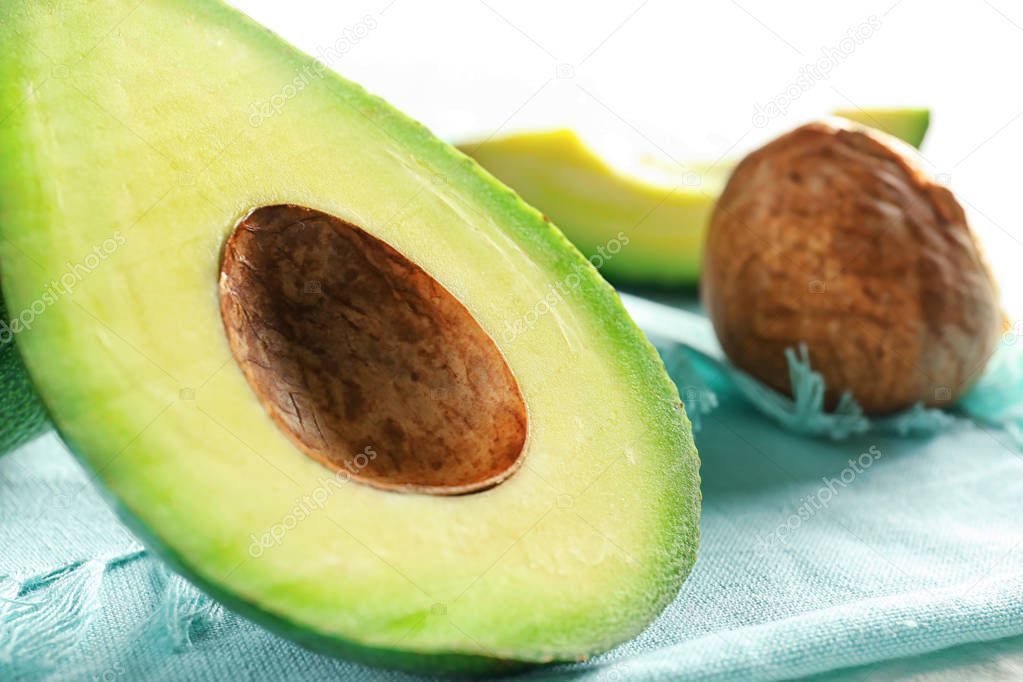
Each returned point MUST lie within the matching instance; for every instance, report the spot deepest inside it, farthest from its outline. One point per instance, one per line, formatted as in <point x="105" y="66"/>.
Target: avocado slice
<point x="659" y="211"/>
<point x="908" y="124"/>
<point x="660" y="224"/>
<point x="328" y="368"/>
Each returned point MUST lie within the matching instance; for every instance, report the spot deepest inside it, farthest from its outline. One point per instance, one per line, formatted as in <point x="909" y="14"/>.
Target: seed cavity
<point x="364" y="360"/>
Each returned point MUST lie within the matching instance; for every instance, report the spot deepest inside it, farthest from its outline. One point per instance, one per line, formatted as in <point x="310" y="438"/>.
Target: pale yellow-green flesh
<point x="135" y="126"/>
<point x="595" y="205"/>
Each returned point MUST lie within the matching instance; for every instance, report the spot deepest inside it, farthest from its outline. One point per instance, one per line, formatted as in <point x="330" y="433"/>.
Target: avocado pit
<point x="366" y="362"/>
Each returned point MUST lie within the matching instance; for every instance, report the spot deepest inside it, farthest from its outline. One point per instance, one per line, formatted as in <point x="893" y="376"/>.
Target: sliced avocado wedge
<point x="909" y="125"/>
<point x="659" y="224"/>
<point x="326" y="366"/>
<point x="660" y="214"/>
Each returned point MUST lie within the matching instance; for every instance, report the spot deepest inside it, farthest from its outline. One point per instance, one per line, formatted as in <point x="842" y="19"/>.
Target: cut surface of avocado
<point x="326" y="366"/>
<point x="654" y="219"/>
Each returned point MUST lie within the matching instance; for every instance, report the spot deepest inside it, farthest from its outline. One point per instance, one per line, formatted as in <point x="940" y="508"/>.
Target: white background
<point x="682" y="79"/>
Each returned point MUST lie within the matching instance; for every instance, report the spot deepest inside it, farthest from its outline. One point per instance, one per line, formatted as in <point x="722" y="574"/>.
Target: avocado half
<point x="662" y="212"/>
<point x="327" y="367"/>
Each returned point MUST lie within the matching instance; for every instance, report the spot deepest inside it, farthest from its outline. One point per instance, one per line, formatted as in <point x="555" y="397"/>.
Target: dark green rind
<point x="527" y="225"/>
<point x="22" y="416"/>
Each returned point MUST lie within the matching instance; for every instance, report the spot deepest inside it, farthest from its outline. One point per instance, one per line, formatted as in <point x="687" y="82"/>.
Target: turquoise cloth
<point x="816" y="554"/>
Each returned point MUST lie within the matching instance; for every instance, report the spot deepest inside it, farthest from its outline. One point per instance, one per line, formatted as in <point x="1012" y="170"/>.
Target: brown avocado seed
<point x="833" y="235"/>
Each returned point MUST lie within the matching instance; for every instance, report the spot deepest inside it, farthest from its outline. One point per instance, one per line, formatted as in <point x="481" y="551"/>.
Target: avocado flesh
<point x="133" y="128"/>
<point x="663" y="219"/>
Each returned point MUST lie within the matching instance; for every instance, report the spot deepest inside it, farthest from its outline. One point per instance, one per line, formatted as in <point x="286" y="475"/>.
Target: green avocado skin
<point x="22" y="416"/>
